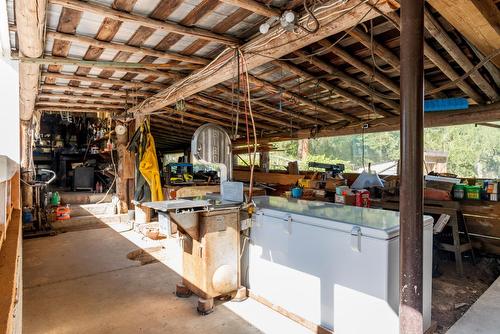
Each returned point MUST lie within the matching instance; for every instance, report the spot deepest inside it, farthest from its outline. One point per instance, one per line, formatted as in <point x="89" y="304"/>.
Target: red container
<point x="363" y="198"/>
<point x="63" y="213"/>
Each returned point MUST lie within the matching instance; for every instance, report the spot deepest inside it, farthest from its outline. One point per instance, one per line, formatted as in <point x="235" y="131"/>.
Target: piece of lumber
<point x="221" y="114"/>
<point x="10" y="271"/>
<point x="348" y="80"/>
<point x="438" y="32"/>
<point x="361" y="65"/>
<point x="134" y="84"/>
<point x="74" y="110"/>
<point x="477" y="20"/>
<point x="295" y="98"/>
<point x="28" y="88"/>
<point x="95" y="91"/>
<point x="292" y="114"/>
<point x="254" y="6"/>
<point x="224" y="105"/>
<point x="476" y="114"/>
<point x="49" y="104"/>
<point x="141" y="68"/>
<point x="146" y="21"/>
<point x="69" y="19"/>
<point x="444" y="66"/>
<point x="383" y="52"/>
<point x="80" y="39"/>
<point x="30" y="15"/>
<point x="82" y="98"/>
<point x="30" y="18"/>
<point x="255" y="56"/>
<point x="268" y="178"/>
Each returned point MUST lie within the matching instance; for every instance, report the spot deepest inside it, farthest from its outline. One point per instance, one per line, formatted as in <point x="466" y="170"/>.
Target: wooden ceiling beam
<point x="384" y="53"/>
<point x="444" y="66"/>
<point x="74" y="110"/>
<point x="284" y="111"/>
<point x="438" y="32"/>
<point x="82" y="98"/>
<point x="31" y="16"/>
<point x="477" y="20"/>
<point x="93" y="91"/>
<point x="338" y="90"/>
<point x="133" y="84"/>
<point x="224" y="105"/>
<point x="48" y="104"/>
<point x="254" y="6"/>
<point x="261" y="50"/>
<point x="361" y="65"/>
<point x="475" y="114"/>
<point x="48" y="60"/>
<point x="177" y="120"/>
<point x="295" y="98"/>
<point x="348" y="80"/>
<point x="224" y="115"/>
<point x="166" y="26"/>
<point x="85" y="40"/>
<point x="115" y="65"/>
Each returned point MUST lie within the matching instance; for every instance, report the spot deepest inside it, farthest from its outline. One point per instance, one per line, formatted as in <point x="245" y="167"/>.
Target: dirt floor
<point x="452" y="295"/>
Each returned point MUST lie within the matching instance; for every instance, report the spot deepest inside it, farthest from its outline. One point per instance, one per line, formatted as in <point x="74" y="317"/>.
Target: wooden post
<point x="27" y="174"/>
<point x="411" y="190"/>
<point x="125" y="173"/>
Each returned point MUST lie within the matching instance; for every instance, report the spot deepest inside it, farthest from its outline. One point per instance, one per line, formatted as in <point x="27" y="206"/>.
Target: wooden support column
<point x="126" y="167"/>
<point x="412" y="146"/>
<point x="27" y="174"/>
<point x="30" y="18"/>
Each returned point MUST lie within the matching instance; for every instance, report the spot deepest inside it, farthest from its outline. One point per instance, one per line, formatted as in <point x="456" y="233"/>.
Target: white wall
<point x="9" y="93"/>
<point x="9" y="109"/>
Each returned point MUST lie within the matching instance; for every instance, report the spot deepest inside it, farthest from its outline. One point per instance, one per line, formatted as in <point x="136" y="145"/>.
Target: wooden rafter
<point x="332" y="88"/>
<point x="438" y="32"/>
<point x="133" y="84"/>
<point x="80" y="39"/>
<point x="444" y="66"/>
<point x="293" y="41"/>
<point x="255" y="7"/>
<point x="145" y="21"/>
<point x="477" y="20"/>
<point x="384" y="53"/>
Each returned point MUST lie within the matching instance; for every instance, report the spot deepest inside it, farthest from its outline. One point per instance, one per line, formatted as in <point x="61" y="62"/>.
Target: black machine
<point x="331" y="170"/>
<point x="35" y="221"/>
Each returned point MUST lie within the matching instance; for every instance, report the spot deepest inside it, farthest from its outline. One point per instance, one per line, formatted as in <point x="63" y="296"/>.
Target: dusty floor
<point x="97" y="281"/>
<point x="452" y="295"/>
<point x="112" y="280"/>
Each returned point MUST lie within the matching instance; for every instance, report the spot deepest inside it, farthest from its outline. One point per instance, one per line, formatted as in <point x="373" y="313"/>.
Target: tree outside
<point x="473" y="151"/>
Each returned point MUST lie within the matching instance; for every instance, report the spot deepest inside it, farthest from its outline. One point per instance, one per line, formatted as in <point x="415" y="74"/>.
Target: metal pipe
<point x="411" y="190"/>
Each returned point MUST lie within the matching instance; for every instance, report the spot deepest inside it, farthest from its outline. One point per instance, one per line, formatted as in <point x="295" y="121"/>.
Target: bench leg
<point x="456" y="246"/>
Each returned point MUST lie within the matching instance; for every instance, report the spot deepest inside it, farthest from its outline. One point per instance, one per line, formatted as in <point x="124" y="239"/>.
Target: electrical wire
<point x="311" y="15"/>
<point x="466" y="74"/>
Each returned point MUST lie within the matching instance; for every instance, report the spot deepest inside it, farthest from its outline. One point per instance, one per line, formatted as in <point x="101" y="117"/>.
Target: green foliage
<point x="472" y="151"/>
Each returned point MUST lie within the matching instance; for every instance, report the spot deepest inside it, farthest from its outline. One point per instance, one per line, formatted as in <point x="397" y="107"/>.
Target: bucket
<point x="459" y="191"/>
<point x="296" y="192"/>
<point x="63" y="212"/>
<point x="55" y="199"/>
<point x="473" y="192"/>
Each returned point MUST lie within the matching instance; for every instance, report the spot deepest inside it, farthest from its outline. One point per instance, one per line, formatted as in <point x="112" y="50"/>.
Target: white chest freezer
<point x="331" y="265"/>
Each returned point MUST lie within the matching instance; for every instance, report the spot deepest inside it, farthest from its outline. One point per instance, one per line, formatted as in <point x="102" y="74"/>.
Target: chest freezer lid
<point x="376" y="223"/>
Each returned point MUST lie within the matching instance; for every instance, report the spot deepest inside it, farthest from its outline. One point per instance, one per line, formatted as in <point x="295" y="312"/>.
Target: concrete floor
<point x="483" y="317"/>
<point x="83" y="282"/>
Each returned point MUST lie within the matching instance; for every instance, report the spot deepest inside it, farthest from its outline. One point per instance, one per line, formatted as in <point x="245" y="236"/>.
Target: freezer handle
<point x="356" y="239"/>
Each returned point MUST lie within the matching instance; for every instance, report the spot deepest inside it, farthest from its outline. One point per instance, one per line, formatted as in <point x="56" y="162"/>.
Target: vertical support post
<point x="411" y="190"/>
